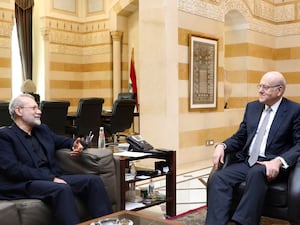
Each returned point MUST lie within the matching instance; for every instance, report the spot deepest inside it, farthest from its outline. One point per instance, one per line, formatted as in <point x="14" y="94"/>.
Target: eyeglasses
<point x="34" y="108"/>
<point x="266" y="87"/>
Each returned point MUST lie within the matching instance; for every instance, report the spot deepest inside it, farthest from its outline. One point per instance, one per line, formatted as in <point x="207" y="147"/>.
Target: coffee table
<point x="137" y="218"/>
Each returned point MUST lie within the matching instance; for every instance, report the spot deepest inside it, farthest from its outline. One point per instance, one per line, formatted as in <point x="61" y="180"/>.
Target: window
<point x="17" y="76"/>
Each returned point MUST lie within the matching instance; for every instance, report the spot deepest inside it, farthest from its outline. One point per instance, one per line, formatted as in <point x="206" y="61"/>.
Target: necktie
<point x="259" y="137"/>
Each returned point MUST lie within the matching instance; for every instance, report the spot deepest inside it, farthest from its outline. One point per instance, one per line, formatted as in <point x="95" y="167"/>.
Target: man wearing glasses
<point x="266" y="144"/>
<point x="28" y="168"/>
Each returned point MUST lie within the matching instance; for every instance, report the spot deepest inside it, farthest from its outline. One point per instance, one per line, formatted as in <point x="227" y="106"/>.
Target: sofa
<point x="93" y="161"/>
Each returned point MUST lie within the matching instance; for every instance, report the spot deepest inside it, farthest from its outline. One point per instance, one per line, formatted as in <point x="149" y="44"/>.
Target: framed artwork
<point x="203" y="72"/>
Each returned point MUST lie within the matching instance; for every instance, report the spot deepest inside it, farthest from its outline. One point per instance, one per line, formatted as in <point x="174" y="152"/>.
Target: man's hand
<point x="58" y="180"/>
<point x="77" y="148"/>
<point x="272" y="168"/>
<point x="218" y="156"/>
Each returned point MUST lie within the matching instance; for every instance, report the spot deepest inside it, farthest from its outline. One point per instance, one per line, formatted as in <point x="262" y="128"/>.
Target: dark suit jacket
<point x="284" y="134"/>
<point x="18" y="165"/>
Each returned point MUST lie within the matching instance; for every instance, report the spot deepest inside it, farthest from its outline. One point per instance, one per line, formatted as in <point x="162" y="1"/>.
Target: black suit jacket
<point x="18" y="165"/>
<point x="284" y="134"/>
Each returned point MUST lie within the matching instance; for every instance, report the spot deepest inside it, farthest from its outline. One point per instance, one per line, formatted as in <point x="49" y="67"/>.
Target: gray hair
<point x="17" y="102"/>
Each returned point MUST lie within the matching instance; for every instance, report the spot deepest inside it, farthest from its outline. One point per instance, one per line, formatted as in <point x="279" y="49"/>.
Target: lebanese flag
<point x="132" y="79"/>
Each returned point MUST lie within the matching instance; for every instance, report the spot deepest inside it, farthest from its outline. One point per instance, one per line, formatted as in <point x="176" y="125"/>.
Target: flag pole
<point x="132" y="78"/>
<point x="132" y="55"/>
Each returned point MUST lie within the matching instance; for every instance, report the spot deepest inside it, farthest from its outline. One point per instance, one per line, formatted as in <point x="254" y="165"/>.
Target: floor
<point x="191" y="192"/>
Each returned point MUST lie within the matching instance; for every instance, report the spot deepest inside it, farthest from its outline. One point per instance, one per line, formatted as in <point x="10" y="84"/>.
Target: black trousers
<point x="89" y="188"/>
<point x="220" y="192"/>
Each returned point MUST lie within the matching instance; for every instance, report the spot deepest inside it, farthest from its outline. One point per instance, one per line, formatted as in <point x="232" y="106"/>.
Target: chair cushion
<point x="276" y="195"/>
<point x="280" y="190"/>
<point x="33" y="212"/>
<point x="92" y="161"/>
<point x="9" y="213"/>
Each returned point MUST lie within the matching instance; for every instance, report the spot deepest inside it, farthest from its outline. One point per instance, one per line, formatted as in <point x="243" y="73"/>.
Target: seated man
<point x="266" y="144"/>
<point x="28" y="168"/>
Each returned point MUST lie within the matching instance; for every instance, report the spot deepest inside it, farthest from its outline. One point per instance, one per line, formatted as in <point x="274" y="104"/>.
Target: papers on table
<point x="142" y="177"/>
<point x="123" y="146"/>
<point x="131" y="154"/>
<point x="129" y="176"/>
<point x="133" y="205"/>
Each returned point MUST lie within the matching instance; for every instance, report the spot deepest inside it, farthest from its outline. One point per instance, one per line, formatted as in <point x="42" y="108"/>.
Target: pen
<point x="89" y="138"/>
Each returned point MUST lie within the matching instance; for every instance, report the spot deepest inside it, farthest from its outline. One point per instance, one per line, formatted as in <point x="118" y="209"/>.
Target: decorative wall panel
<point x="65" y="5"/>
<point x="262" y="16"/>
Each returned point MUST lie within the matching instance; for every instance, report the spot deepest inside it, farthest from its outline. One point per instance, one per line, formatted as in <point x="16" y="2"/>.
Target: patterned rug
<point x="197" y="217"/>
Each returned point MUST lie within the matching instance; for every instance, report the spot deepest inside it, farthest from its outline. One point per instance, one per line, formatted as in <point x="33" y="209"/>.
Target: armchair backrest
<point x="88" y="116"/>
<point x="126" y="95"/>
<point x="5" y="119"/>
<point x="54" y="114"/>
<point x="122" y="115"/>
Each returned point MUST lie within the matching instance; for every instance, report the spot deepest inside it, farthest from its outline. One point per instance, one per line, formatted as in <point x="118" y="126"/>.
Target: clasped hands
<point x="272" y="167"/>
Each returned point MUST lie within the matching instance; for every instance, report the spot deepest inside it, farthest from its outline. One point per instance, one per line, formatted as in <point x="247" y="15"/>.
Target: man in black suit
<point x="277" y="151"/>
<point x="28" y="168"/>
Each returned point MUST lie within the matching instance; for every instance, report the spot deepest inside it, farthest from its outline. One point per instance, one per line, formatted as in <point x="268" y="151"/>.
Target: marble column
<point x="117" y="60"/>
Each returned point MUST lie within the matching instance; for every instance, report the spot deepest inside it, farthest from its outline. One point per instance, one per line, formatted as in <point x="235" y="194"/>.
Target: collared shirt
<point x="264" y="141"/>
<point x="37" y="149"/>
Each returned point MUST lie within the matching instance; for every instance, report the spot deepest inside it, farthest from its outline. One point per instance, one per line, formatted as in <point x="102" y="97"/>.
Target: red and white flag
<point x="132" y="87"/>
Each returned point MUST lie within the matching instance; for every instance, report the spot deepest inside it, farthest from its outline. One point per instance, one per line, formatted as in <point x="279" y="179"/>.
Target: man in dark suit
<point x="28" y="168"/>
<point x="277" y="150"/>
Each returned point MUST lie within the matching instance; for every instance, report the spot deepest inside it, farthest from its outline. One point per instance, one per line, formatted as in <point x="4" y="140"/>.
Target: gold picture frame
<point x="203" y="72"/>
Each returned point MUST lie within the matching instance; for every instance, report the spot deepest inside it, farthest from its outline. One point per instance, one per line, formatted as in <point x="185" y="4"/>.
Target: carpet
<point x="197" y="217"/>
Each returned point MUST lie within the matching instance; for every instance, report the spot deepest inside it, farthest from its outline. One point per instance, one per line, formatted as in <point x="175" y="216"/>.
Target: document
<point x="133" y="205"/>
<point x="131" y="154"/>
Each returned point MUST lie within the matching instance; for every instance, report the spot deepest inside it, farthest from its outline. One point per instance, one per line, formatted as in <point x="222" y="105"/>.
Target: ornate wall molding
<point x="125" y="7"/>
<point x="261" y="16"/>
<point x="71" y="37"/>
<point x="202" y="8"/>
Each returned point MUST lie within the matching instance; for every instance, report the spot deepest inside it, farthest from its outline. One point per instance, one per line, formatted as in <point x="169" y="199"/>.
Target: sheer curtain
<point x="17" y="74"/>
<point x="23" y="13"/>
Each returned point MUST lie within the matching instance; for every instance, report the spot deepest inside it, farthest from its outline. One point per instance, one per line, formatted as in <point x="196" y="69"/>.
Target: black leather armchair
<point x="5" y="119"/>
<point x="88" y="118"/>
<point x="54" y="114"/>
<point x="283" y="198"/>
<point x="121" y="118"/>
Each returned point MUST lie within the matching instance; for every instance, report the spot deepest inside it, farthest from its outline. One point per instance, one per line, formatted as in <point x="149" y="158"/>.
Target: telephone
<point x="138" y="144"/>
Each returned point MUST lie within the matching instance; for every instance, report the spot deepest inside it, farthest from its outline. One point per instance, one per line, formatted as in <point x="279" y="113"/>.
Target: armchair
<point x="283" y="198"/>
<point x="121" y="118"/>
<point x="88" y="118"/>
<point x="5" y="119"/>
<point x="36" y="212"/>
<point x="54" y="114"/>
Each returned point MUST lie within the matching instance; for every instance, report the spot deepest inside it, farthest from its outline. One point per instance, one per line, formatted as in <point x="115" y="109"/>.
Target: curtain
<point x="23" y="14"/>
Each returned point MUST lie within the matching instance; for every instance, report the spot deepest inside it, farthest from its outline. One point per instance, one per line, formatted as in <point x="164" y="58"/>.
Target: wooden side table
<point x="169" y="156"/>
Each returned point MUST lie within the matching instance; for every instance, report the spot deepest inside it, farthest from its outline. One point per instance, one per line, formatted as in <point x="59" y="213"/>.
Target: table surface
<point x="72" y="115"/>
<point x="137" y="218"/>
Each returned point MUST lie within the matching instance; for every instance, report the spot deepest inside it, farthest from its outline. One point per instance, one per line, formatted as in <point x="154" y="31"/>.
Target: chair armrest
<point x="229" y="158"/>
<point x="294" y="192"/>
<point x="93" y="161"/>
